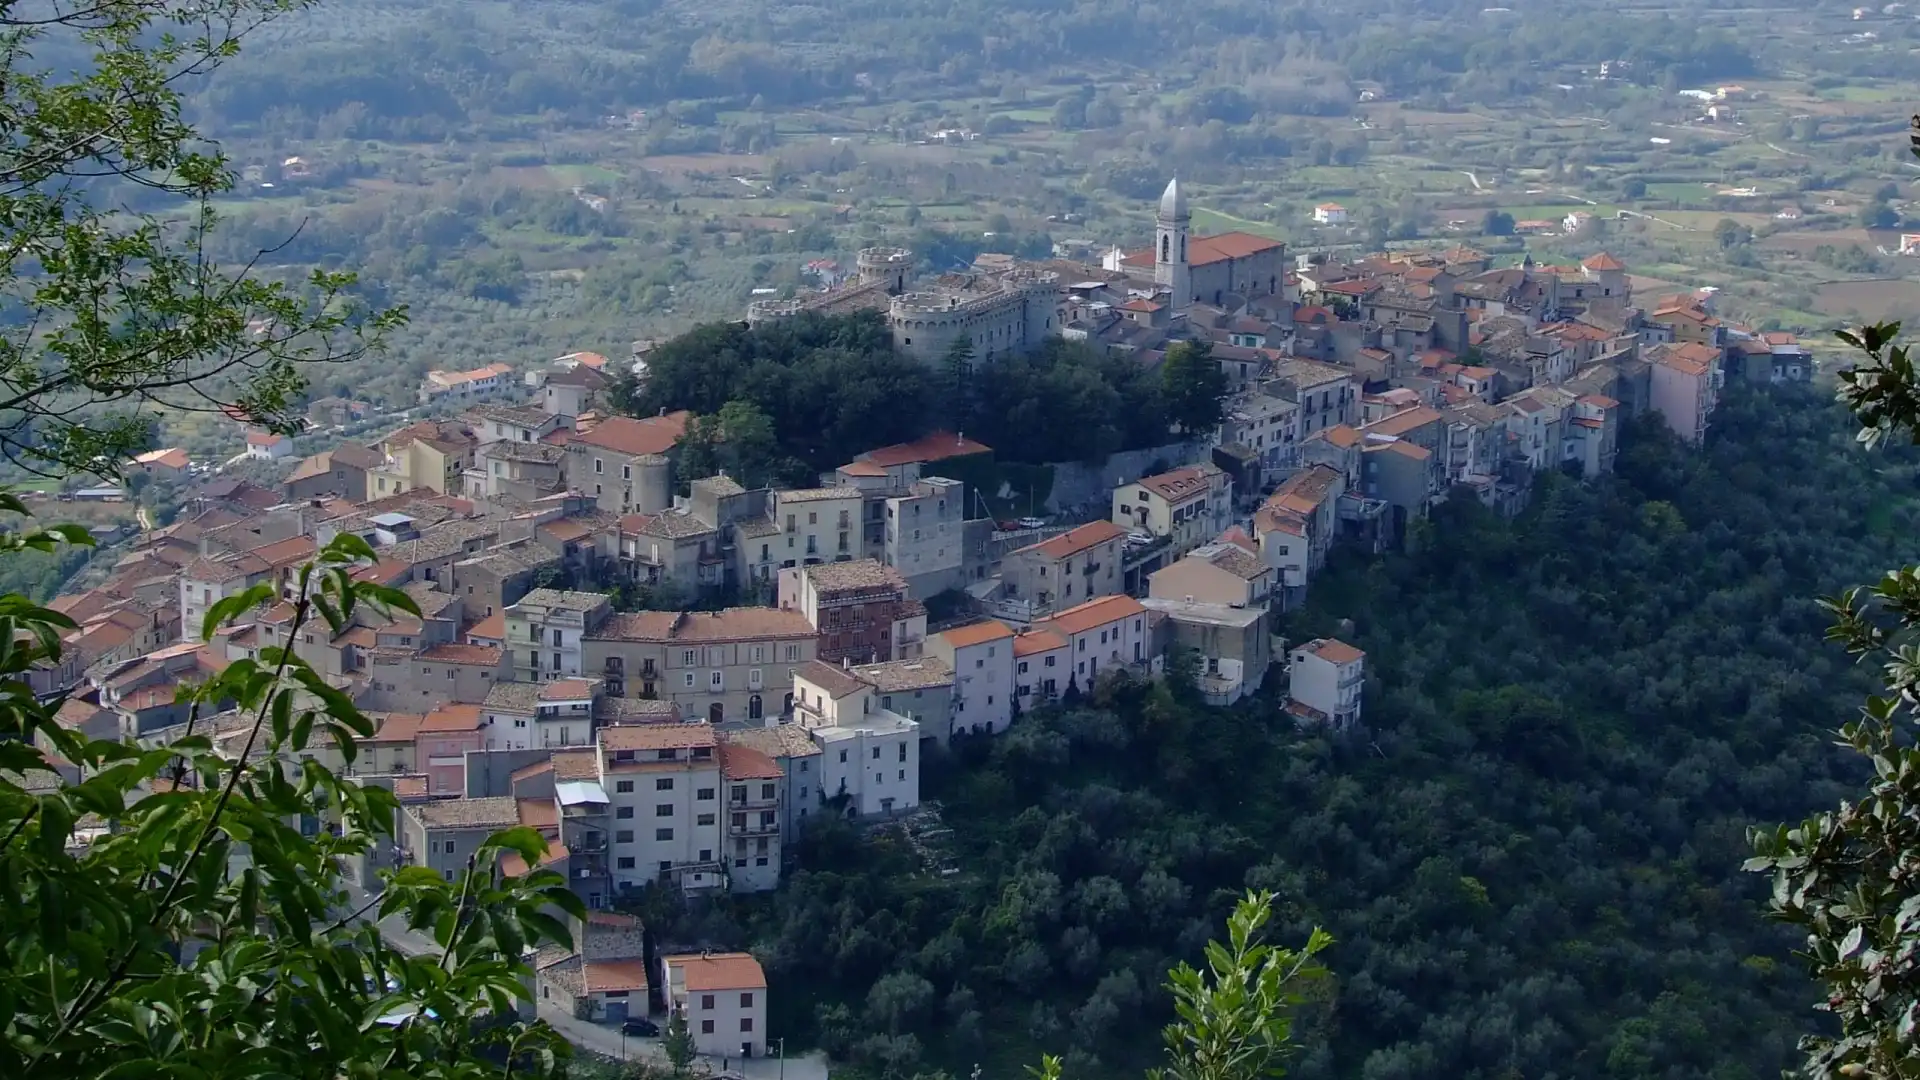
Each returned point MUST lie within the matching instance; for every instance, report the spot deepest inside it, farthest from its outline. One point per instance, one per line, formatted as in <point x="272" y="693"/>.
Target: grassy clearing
<point x="1207" y="222"/>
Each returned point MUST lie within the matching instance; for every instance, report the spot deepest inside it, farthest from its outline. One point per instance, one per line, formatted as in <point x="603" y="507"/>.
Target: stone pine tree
<point x="115" y="315"/>
<point x="1194" y="387"/>
<point x="1847" y="877"/>
<point x="956" y="383"/>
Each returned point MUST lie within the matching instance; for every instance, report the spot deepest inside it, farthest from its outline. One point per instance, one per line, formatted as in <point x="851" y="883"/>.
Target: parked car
<point x="640" y="1025"/>
<point x="1032" y="523"/>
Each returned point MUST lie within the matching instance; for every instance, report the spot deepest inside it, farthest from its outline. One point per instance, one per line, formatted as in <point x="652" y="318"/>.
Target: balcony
<point x="753" y="828"/>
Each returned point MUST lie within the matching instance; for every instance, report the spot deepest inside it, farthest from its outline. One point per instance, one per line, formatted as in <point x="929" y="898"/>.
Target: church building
<point x="1205" y="269"/>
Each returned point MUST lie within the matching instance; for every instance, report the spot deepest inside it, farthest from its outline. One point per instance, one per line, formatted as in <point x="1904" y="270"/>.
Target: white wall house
<point x="724" y="998"/>
<point x="1326" y="676"/>
<point x="1102" y="634"/>
<point x="875" y="764"/>
<point x="981" y="656"/>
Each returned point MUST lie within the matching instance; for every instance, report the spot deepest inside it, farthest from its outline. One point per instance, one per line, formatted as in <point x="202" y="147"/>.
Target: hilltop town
<point x="689" y="747"/>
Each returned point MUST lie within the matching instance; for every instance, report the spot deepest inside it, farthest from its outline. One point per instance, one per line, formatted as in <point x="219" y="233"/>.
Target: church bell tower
<point x="1171" y="225"/>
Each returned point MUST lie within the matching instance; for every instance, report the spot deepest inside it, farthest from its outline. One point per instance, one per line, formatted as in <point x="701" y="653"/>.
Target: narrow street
<point x="606" y="1039"/>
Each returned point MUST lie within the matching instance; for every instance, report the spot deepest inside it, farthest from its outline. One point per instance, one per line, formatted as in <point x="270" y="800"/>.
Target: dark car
<point x="640" y="1025"/>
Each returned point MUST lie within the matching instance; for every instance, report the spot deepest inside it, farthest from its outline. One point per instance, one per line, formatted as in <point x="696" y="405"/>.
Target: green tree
<point x="1729" y="233"/>
<point x="1497" y="223"/>
<point x="1845" y="877"/>
<point x="1234" y="1021"/>
<point x="956" y="384"/>
<point x="677" y="1043"/>
<point x="170" y="917"/>
<point x="115" y="314"/>
<point x="1194" y="386"/>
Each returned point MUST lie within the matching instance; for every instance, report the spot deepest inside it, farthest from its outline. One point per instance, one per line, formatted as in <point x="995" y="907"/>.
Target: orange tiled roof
<point x="719" y="971"/>
<point x="1074" y="541"/>
<point x="979" y="633"/>
<point x="1100" y="612"/>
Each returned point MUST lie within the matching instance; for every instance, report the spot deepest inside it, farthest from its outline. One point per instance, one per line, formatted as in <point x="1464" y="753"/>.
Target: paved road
<point x="605" y="1039"/>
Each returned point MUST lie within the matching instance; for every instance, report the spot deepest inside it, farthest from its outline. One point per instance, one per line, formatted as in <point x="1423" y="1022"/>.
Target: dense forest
<point x="1530" y="858"/>
<point x="832" y="387"/>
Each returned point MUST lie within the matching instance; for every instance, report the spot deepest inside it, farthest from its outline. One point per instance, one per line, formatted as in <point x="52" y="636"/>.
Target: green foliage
<point x="1194" y="387"/>
<point x="1844" y="877"/>
<point x="111" y="313"/>
<point x="169" y="917"/>
<point x="832" y="387"/>
<point x="740" y="442"/>
<point x="677" y="1043"/>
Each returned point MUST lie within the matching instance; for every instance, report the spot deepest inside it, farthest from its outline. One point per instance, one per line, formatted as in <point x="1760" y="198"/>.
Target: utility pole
<point x="783" y="1057"/>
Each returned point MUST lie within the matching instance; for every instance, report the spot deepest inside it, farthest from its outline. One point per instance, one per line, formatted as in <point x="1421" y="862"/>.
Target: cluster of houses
<point x="689" y="747"/>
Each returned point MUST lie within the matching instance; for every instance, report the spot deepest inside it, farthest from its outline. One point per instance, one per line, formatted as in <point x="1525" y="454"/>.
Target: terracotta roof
<point x="398" y="727"/>
<point x="451" y="717"/>
<point x="1037" y="641"/>
<point x="739" y="762"/>
<point x="1599" y="401"/>
<point x="938" y="446"/>
<point x="858" y="574"/>
<point x="173" y="457"/>
<point x="493" y="628"/>
<point x="637" y="438"/>
<point x="1179" y="484"/>
<point x="481" y="655"/>
<point x="286" y="552"/>
<point x="656" y="737"/>
<point x="863" y="468"/>
<point x="1601" y="261"/>
<point x="1075" y="541"/>
<point x="731" y="624"/>
<point x="719" y="971"/>
<point x="528" y="772"/>
<point x="628" y="975"/>
<point x="837" y="682"/>
<point x="1141" y="305"/>
<point x="979" y="633"/>
<point x="1333" y="651"/>
<point x="566" y="529"/>
<point x="410" y="787"/>
<point x="575" y="765"/>
<point x="566" y="690"/>
<point x="497" y="812"/>
<point x="1342" y="436"/>
<point x="1402" y="422"/>
<point x="1093" y="613"/>
<point x="1238" y="537"/>
<point x="1407" y="449"/>
<point x="512" y="865"/>
<point x="384" y="572"/>
<point x="265" y="438"/>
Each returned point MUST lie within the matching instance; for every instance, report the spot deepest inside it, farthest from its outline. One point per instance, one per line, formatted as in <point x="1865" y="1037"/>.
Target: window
<point x="746" y="1001"/>
<point x="876" y="753"/>
<point x="663" y="810"/>
<point x="706" y="1027"/>
<point x="706" y="854"/>
<point x="625" y="862"/>
<point x="599" y="466"/>
<point x="689" y="680"/>
<point x="716" y="681"/>
<point x="665" y="783"/>
<point x="623" y="836"/>
<point x="448" y="847"/>
<point x="688" y="657"/>
<point x="623" y="786"/>
<point x="706" y="1001"/>
<point x="903" y="774"/>
<point x="739" y="821"/>
<point x="843" y="757"/>
<point x="746" y="1023"/>
<point x="903" y="746"/>
<point x="623" y="812"/>
<point x="663" y="834"/>
<point x="766" y="790"/>
<point x="704" y="819"/>
<point x="705" y="794"/>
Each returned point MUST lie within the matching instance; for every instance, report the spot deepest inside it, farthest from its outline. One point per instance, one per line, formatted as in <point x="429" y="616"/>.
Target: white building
<point x="267" y="445"/>
<point x="544" y="630"/>
<point x="663" y="785"/>
<point x="1326" y="676"/>
<point x="756" y="805"/>
<point x="981" y="656"/>
<point x="875" y="764"/>
<point x="724" y="999"/>
<point x="1110" y="632"/>
<point x="1041" y="661"/>
<point x="1330" y="214"/>
<point x="923" y="532"/>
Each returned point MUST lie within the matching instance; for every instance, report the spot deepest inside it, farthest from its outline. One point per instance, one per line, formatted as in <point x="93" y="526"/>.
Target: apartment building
<point x="526" y="716"/>
<point x="1686" y="387"/>
<point x="663" y="784"/>
<point x="1182" y="509"/>
<point x="1042" y="661"/>
<point x="793" y="750"/>
<point x="923" y="536"/>
<point x="981" y="659"/>
<point x="445" y="736"/>
<point x="509" y="423"/>
<point x="1324" y="682"/>
<point x="623" y="462"/>
<point x="861" y="610"/>
<point x="1295" y="527"/>
<point x="1077" y="565"/>
<point x="1218" y="573"/>
<point x="723" y="997"/>
<point x="477" y="384"/>
<point x="755" y="802"/>
<point x="816" y="525"/>
<point x="922" y="690"/>
<point x="1326" y="394"/>
<point x="545" y="631"/>
<point x="443" y="835"/>
<point x="341" y="471"/>
<point x="873" y="764"/>
<point x="721" y="665"/>
<point x="1107" y="633"/>
<point x="432" y="454"/>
